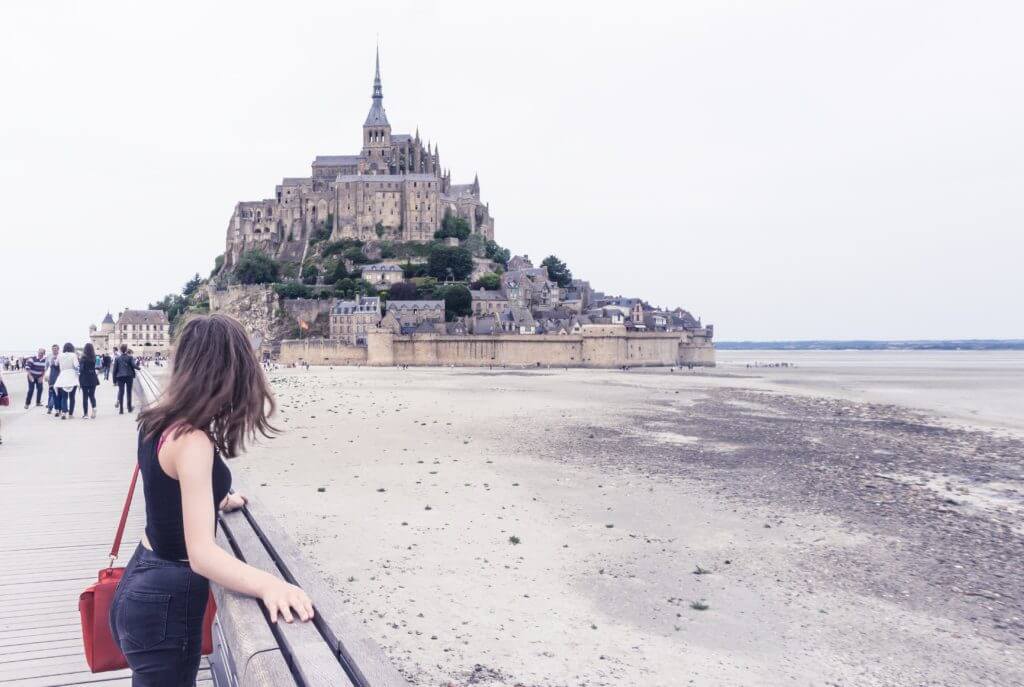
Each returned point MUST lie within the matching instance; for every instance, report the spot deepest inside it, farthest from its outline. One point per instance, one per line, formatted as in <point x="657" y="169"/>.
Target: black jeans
<point x="36" y="384"/>
<point x="88" y="396"/>
<point x="156" y="618"/>
<point x="122" y="384"/>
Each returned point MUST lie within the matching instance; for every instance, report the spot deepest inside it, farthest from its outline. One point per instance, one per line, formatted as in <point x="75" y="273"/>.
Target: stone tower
<point x="377" y="130"/>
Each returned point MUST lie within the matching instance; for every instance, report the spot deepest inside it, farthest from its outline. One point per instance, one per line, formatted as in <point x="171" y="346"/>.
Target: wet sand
<point x="650" y="527"/>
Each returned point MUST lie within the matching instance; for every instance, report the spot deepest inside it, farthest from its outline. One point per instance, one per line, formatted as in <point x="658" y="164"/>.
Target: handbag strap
<point x="124" y="517"/>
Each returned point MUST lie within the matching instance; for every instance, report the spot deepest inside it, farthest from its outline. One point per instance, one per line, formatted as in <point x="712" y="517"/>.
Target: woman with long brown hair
<point x="217" y="399"/>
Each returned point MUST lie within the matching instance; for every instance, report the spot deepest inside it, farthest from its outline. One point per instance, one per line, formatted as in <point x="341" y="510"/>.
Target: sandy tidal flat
<point x="591" y="527"/>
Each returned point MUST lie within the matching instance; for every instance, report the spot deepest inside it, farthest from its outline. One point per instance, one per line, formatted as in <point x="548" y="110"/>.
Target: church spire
<point x="377" y="117"/>
<point x="377" y="92"/>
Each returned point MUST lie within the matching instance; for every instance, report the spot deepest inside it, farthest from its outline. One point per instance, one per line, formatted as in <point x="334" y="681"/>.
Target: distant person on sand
<point x="124" y="376"/>
<point x="216" y="399"/>
<point x="88" y="379"/>
<point x="35" y="369"/>
<point x="67" y="380"/>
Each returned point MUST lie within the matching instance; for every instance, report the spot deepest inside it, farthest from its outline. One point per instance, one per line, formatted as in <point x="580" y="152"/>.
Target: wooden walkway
<point x="62" y="486"/>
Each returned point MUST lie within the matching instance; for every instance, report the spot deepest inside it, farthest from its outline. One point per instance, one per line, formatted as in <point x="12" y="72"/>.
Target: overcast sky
<point x="784" y="170"/>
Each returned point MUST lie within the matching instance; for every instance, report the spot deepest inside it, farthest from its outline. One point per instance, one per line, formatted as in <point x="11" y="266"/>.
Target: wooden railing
<point x="249" y="650"/>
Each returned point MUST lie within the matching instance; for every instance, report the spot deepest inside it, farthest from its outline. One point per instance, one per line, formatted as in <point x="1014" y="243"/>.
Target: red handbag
<point x="101" y="652"/>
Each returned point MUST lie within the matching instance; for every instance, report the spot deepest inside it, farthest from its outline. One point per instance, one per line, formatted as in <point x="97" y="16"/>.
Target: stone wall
<point x="255" y="306"/>
<point x="308" y="309"/>
<point x="321" y="352"/>
<point x="598" y="346"/>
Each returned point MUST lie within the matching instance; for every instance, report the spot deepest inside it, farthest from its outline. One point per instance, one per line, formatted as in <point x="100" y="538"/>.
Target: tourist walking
<point x="67" y="380"/>
<point x="88" y="379"/>
<point x="124" y="376"/>
<point x="35" y="368"/>
<point x="105" y="366"/>
<point x="51" y="380"/>
<point x="5" y="400"/>
<point x="217" y="399"/>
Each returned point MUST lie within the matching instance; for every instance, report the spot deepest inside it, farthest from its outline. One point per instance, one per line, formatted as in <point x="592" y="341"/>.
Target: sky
<point x="782" y="169"/>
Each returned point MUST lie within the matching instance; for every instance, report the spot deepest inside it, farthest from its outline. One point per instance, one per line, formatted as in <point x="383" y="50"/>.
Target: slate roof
<point x="400" y="138"/>
<point x="296" y="181"/>
<point x="362" y="304"/>
<point x="109" y="319"/>
<point x="415" y="305"/>
<point x="142" y="317"/>
<point x="335" y="160"/>
<point x="485" y="325"/>
<point x="485" y="295"/>
<point x="382" y="268"/>
<point x="387" y="177"/>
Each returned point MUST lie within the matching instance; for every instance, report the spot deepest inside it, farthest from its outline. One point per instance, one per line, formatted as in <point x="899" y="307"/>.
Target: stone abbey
<point x="394" y="189"/>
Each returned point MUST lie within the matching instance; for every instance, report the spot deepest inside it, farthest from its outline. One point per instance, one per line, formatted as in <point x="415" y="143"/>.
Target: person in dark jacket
<point x="106" y="362"/>
<point x="53" y="371"/>
<point x="88" y="380"/>
<point x="124" y="376"/>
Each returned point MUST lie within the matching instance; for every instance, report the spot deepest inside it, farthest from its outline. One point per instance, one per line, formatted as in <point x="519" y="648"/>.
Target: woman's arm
<point x="190" y="459"/>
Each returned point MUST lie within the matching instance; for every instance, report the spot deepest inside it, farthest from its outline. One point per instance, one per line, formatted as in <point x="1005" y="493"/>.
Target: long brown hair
<point x="216" y="386"/>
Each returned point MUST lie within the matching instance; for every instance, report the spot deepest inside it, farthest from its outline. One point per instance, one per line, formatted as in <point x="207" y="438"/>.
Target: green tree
<point x="452" y="226"/>
<point x="557" y="270"/>
<point x="496" y="253"/>
<point x="458" y="301"/>
<point x="217" y="264"/>
<point x="355" y="254"/>
<point x="404" y="291"/>
<point x="256" y="267"/>
<point x="310" y="274"/>
<point x="379" y="230"/>
<point x="172" y="304"/>
<point x="292" y="290"/>
<point x="449" y="262"/>
<point x="191" y="286"/>
<point x="489" y="281"/>
<point x="426" y="287"/>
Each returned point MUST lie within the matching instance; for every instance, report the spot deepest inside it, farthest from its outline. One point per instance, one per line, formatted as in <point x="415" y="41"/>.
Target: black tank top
<point x="165" y="527"/>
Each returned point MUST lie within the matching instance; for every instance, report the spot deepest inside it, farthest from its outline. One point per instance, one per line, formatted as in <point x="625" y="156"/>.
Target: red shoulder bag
<point x="101" y="652"/>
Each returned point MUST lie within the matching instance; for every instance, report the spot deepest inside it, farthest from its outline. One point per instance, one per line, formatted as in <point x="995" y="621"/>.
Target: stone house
<point x="489" y="302"/>
<point x="350" y="320"/>
<point x="146" y="332"/>
<point x="416" y="312"/>
<point x="382" y="275"/>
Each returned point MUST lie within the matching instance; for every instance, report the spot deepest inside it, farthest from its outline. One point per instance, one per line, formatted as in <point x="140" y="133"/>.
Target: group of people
<point x="64" y="372"/>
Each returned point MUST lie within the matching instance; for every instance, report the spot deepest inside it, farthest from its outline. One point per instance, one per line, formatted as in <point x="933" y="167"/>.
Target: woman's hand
<point x="280" y="598"/>
<point x="232" y="501"/>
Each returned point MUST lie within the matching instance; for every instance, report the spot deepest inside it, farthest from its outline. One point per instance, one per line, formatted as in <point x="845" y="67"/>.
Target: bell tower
<point x="376" y="129"/>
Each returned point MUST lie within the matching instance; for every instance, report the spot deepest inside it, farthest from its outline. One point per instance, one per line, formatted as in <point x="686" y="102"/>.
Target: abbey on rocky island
<point x="394" y="189"/>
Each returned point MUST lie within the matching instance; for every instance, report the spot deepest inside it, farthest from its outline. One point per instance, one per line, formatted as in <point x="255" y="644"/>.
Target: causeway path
<point x="62" y="487"/>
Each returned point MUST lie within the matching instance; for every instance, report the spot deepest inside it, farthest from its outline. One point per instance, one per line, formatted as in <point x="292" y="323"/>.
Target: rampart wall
<point x="596" y="347"/>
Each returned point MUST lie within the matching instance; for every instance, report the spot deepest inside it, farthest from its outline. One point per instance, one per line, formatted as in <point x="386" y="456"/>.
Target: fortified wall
<point x="597" y="346"/>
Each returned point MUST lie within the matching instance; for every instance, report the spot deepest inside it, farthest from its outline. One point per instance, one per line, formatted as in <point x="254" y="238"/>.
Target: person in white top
<point x="67" y="381"/>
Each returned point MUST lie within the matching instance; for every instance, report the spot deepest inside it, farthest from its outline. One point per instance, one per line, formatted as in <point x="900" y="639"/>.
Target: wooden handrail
<point x="249" y="650"/>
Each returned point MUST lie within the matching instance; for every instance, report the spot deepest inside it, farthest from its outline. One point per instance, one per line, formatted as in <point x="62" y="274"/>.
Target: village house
<point x="383" y="275"/>
<point x="418" y="311"/>
<point x="147" y="332"/>
<point x="350" y="320"/>
<point x="486" y="302"/>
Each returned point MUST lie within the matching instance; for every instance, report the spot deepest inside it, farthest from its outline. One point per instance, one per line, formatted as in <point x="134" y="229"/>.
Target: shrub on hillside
<point x="449" y="262"/>
<point x="256" y="267"/>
